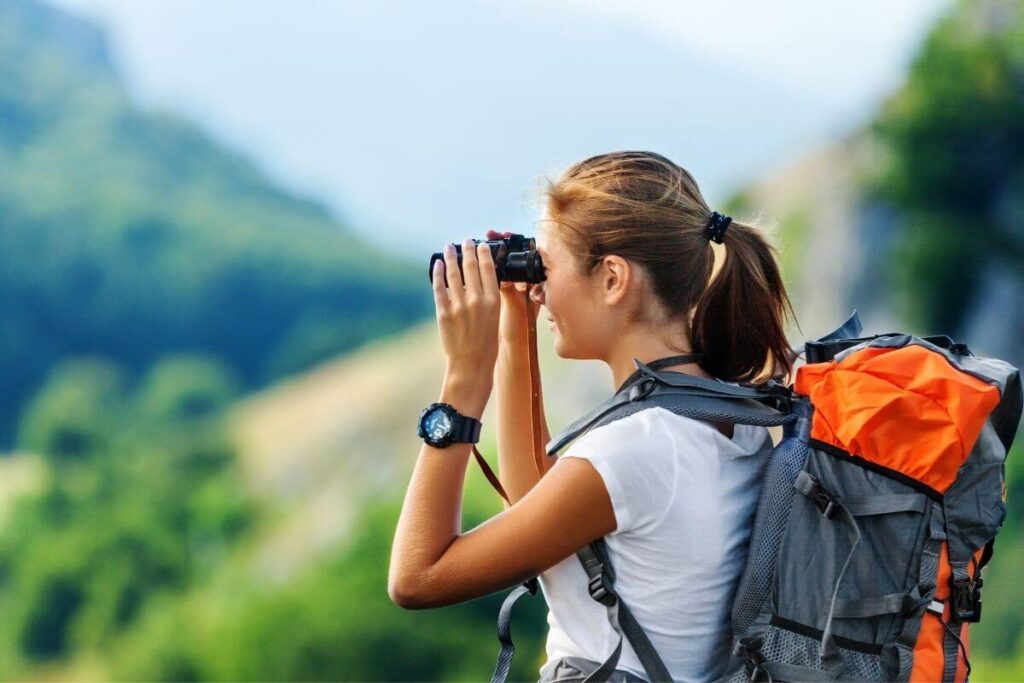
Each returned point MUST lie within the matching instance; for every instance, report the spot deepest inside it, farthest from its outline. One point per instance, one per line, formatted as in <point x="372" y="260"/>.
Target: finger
<point x="441" y="302"/>
<point x="488" y="273"/>
<point x="451" y="269"/>
<point x="471" y="270"/>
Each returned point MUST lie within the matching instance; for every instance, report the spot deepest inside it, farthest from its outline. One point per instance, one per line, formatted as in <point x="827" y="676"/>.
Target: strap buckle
<point x="807" y="484"/>
<point x="601" y="589"/>
<point x="642" y="389"/>
<point x="748" y="650"/>
<point x="825" y="502"/>
<point x="965" y="601"/>
<point x="782" y="394"/>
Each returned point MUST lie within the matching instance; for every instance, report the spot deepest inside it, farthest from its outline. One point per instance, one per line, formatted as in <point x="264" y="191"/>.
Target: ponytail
<point x="739" y="321"/>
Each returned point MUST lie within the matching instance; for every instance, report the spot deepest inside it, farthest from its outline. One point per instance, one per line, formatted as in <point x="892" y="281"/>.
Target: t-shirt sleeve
<point x="637" y="465"/>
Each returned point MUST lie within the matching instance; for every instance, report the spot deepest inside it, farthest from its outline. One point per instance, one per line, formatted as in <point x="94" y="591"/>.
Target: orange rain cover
<point x="906" y="408"/>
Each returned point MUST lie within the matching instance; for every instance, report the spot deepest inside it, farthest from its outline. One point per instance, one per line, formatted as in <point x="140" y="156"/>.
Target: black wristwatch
<point x="441" y="425"/>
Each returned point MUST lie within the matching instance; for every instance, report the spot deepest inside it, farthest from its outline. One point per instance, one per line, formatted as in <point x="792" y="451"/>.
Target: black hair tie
<point x="716" y="226"/>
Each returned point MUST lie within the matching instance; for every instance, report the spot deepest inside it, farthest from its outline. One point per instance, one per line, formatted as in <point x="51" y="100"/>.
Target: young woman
<point x="626" y="242"/>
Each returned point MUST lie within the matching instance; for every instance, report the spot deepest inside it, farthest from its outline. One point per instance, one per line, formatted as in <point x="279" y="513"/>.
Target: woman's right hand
<point x="513" y="321"/>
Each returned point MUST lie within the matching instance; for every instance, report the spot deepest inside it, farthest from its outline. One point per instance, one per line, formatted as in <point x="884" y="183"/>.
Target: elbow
<point x="407" y="592"/>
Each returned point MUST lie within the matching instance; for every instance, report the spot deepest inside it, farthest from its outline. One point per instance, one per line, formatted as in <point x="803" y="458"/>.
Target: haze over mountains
<point x="127" y="233"/>
<point x="427" y="122"/>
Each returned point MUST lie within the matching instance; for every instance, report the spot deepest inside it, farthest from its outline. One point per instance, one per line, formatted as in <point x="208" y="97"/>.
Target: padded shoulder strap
<point x="764" y="405"/>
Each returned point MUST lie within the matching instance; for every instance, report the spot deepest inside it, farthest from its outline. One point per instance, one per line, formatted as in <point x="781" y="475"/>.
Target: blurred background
<point x="216" y="330"/>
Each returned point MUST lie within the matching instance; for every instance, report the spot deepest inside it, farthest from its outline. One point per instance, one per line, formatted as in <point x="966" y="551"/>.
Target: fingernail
<point x="449" y="248"/>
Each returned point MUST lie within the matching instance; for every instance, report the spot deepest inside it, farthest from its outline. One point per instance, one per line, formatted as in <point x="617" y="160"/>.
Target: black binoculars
<point x="516" y="259"/>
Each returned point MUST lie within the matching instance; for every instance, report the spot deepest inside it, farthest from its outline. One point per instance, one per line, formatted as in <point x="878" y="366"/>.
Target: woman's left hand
<point x="468" y="314"/>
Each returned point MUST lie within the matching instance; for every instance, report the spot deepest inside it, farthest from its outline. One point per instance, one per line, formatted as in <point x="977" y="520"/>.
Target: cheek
<point x="564" y="302"/>
<point x="554" y="297"/>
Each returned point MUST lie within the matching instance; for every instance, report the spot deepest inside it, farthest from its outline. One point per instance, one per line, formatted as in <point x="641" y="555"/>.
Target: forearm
<point x="431" y="517"/>
<point x="517" y="469"/>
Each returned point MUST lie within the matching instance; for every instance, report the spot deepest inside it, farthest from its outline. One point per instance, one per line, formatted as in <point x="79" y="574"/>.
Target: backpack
<point x="878" y="510"/>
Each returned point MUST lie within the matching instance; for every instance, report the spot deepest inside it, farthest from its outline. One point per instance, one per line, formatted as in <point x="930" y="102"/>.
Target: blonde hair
<point x="646" y="209"/>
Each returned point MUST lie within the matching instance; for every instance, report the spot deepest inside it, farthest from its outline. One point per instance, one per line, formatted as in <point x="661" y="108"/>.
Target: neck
<point x="644" y="346"/>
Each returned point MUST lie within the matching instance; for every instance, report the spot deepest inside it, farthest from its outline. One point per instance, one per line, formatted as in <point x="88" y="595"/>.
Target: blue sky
<point x="420" y="123"/>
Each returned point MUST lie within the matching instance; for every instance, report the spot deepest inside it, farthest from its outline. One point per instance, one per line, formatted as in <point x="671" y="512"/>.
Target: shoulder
<point x="653" y="422"/>
<point x="662" y="430"/>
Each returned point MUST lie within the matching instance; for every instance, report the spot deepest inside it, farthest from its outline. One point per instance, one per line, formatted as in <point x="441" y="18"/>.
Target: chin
<point x="562" y="350"/>
<point x="559" y="347"/>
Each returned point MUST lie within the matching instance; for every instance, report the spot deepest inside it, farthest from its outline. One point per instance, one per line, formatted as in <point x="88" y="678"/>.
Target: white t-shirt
<point x="684" y="497"/>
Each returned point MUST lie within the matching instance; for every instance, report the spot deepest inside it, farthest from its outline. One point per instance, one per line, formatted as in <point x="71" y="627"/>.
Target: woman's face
<point x="573" y="309"/>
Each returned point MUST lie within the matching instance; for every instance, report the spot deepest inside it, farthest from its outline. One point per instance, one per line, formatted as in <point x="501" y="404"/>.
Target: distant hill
<point x="320" y="446"/>
<point x="128" y="234"/>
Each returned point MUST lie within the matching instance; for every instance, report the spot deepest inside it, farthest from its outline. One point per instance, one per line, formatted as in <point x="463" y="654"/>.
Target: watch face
<point x="437" y="424"/>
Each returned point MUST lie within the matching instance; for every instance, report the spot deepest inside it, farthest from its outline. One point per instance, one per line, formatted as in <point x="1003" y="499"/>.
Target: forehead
<point x="548" y="241"/>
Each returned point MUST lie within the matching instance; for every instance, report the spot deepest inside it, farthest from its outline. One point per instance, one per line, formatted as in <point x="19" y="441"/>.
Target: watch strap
<point x="465" y="429"/>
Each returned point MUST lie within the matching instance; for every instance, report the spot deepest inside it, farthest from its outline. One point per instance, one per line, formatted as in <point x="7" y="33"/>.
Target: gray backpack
<point x="878" y="509"/>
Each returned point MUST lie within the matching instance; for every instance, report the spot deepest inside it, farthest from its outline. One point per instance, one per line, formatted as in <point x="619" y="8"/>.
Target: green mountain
<point x="167" y="527"/>
<point x="127" y="233"/>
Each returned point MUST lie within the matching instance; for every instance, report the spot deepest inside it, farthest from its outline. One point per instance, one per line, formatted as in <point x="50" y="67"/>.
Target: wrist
<point x="512" y="335"/>
<point x="467" y="394"/>
<point x="513" y="357"/>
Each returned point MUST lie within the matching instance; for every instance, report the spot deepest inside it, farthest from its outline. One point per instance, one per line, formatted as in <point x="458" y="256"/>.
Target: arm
<point x="432" y="564"/>
<point x="517" y="469"/>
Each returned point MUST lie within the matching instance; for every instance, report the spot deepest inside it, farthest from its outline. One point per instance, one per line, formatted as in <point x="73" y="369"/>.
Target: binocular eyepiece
<point x="516" y="259"/>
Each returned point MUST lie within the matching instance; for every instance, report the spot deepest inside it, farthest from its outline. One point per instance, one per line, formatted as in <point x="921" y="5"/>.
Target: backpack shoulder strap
<point x="601" y="575"/>
<point x="765" y="404"/>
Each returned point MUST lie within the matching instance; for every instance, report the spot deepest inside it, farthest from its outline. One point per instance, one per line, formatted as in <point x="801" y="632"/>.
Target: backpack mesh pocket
<point x="782" y="645"/>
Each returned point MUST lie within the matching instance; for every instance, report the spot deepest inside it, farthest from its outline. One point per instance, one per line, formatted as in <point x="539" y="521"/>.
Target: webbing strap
<point x="951" y="646"/>
<point x="601" y="575"/>
<point x="885" y="504"/>
<point x="792" y="672"/>
<point x="892" y="603"/>
<point x="658" y="365"/>
<point x="508" y="649"/>
<point x="715" y="387"/>
<point x="858" y="506"/>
